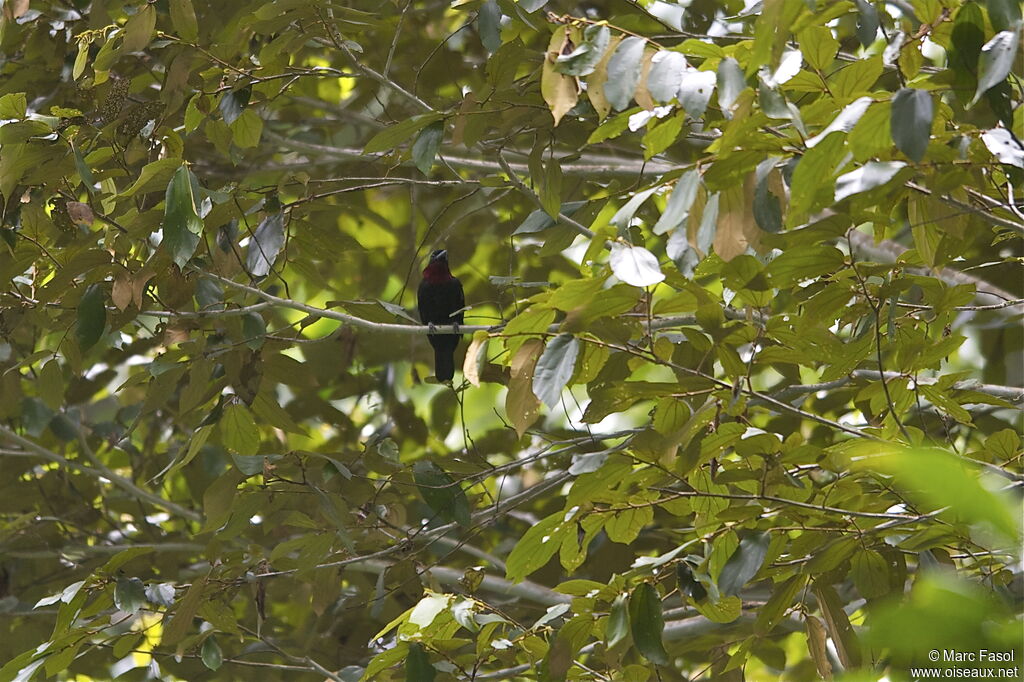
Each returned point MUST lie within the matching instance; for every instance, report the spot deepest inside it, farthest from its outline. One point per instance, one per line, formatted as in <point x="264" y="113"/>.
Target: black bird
<point x="441" y="300"/>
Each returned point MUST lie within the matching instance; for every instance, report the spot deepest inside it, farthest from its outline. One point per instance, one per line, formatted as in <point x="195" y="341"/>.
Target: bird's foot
<point x="431" y="328"/>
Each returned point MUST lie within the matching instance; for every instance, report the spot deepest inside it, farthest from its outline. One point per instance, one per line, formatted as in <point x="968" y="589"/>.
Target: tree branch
<point x="101" y="471"/>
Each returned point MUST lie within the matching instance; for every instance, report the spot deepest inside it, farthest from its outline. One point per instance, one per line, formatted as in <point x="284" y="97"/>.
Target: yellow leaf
<point x="559" y="90"/>
<point x="641" y="95"/>
<point x="471" y="365"/>
<point x="730" y="238"/>
<point x="521" y="405"/>
<point x="597" y="79"/>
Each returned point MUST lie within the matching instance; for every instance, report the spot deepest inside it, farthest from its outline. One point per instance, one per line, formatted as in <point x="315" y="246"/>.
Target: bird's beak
<point x="441" y="255"/>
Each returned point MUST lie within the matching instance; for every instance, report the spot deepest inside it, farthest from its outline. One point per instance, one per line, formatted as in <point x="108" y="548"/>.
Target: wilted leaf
<point x="584" y="57"/>
<point x="559" y="91"/>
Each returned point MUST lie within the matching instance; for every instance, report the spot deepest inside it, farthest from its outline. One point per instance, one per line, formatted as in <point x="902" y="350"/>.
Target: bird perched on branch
<point x="441" y="300"/>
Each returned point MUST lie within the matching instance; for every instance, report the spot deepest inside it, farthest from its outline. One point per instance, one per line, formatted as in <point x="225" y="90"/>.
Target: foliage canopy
<point x="740" y="384"/>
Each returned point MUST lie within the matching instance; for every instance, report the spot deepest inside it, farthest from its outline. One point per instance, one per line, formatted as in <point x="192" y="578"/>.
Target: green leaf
<point x="154" y="176"/>
<point x="839" y="628"/>
<point x="537" y="546"/>
<point x="424" y="149"/>
<point x="997" y="60"/>
<point x="870" y="573"/>
<point x="555" y="368"/>
<point x="92" y="317"/>
<point x="769" y="615"/>
<point x="939" y="479"/>
<point x="129" y="594"/>
<point x="13" y="105"/>
<point x="138" y="31"/>
<point x="539" y="220"/>
<point x="867" y="23"/>
<point x="647" y="623"/>
<point x="182" y="224"/>
<point x="744" y="563"/>
<point x="695" y="92"/>
<point x="679" y="203"/>
<point x="811" y="185"/>
<point x="183" y="19"/>
<point x="867" y="177"/>
<point x="254" y="330"/>
<point x="84" y="172"/>
<point x="731" y="82"/>
<point x="663" y="135"/>
<point x="442" y="493"/>
<point x="181" y="621"/>
<point x="584" y="58"/>
<point x="725" y="610"/>
<point x="238" y="430"/>
<point x="549" y="188"/>
<point x="1004" y="14"/>
<point x="210" y="653"/>
<point x="845" y="121"/>
<point x="818" y="46"/>
<point x="488" y="22"/>
<point x="635" y="265"/>
<point x="389" y="138"/>
<point x="666" y="75"/>
<point x="624" y="526"/>
<point x="233" y="103"/>
<point x="1003" y="146"/>
<point x="247" y="129"/>
<point x="624" y="72"/>
<point x="625" y="214"/>
<point x="805" y="262"/>
<point x="616" y="629"/>
<point x="417" y="665"/>
<point x="51" y="384"/>
<point x="688" y="583"/>
<point x="911" y="122"/>
<point x="266" y="243"/>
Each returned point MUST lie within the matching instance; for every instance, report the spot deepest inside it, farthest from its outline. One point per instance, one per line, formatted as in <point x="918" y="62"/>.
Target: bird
<point x="440" y="300"/>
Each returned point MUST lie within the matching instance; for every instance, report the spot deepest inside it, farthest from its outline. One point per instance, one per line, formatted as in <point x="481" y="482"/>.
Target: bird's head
<point x="437" y="269"/>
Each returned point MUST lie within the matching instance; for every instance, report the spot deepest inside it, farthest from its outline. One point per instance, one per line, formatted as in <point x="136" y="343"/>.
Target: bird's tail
<point x="444" y="364"/>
